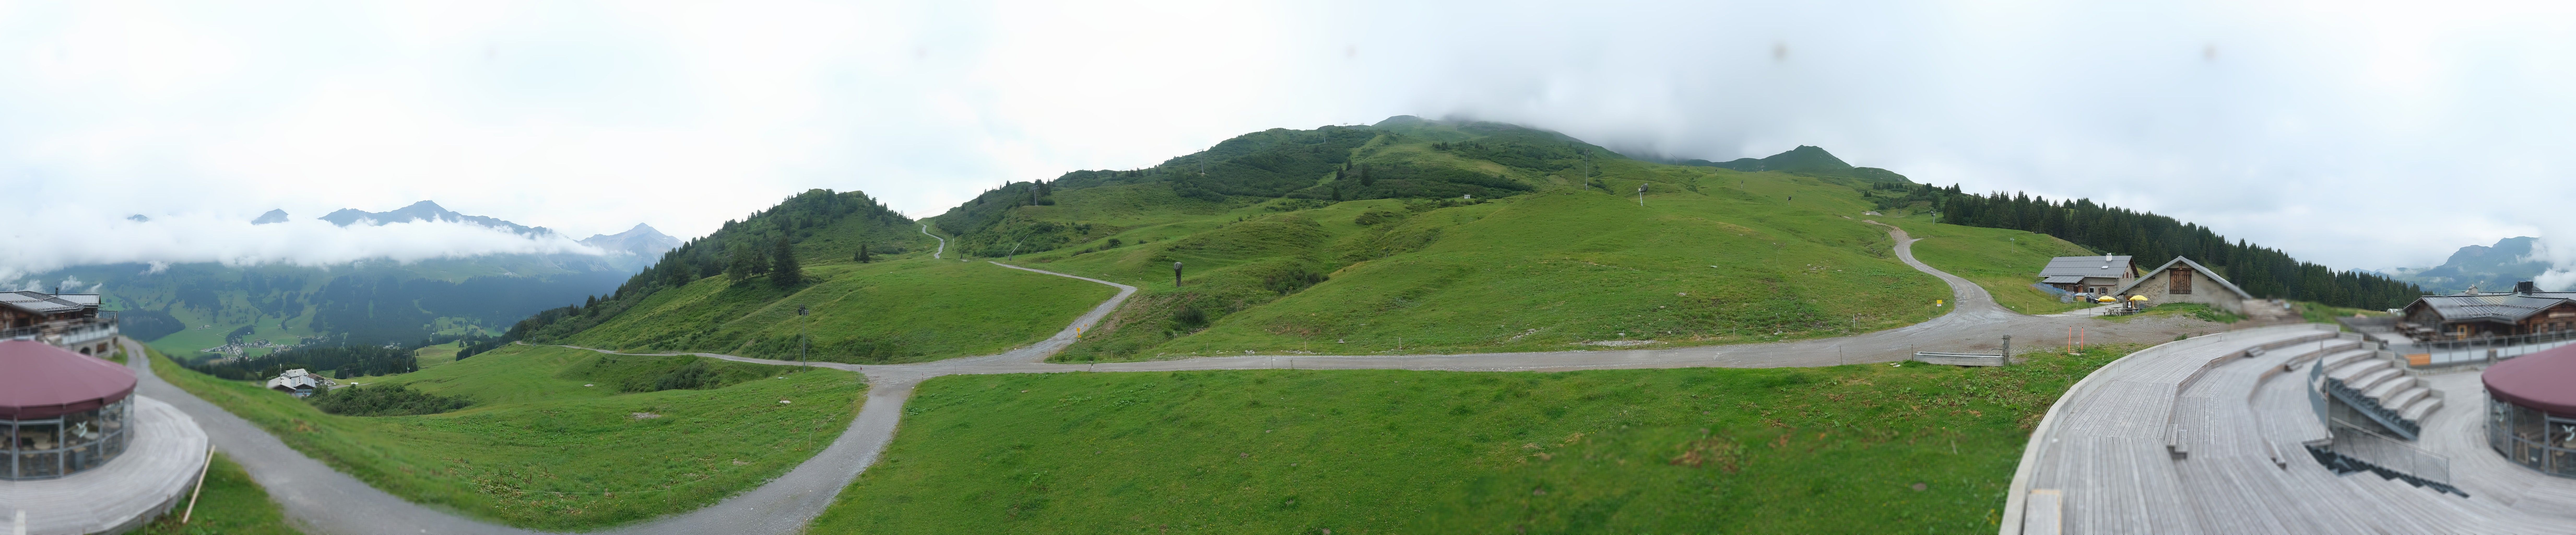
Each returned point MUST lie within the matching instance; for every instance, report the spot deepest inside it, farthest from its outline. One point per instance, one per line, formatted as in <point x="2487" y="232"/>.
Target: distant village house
<point x="298" y="383"/>
<point x="2183" y="281"/>
<point x="2088" y="275"/>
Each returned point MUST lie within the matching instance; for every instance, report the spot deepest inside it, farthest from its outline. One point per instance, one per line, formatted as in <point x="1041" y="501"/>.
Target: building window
<point x="2179" y="281"/>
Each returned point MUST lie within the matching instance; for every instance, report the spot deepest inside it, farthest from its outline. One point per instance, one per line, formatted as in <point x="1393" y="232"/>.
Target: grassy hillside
<point x="553" y="442"/>
<point x="230" y="503"/>
<point x="1830" y="450"/>
<point x="2003" y="261"/>
<point x="908" y="310"/>
<point x="1566" y="256"/>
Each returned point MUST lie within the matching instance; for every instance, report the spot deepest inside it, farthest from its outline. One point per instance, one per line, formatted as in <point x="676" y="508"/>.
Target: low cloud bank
<point x="46" y="242"/>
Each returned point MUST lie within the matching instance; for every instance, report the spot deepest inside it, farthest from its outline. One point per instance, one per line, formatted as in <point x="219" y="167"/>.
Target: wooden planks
<point x="2104" y="455"/>
<point x="161" y="460"/>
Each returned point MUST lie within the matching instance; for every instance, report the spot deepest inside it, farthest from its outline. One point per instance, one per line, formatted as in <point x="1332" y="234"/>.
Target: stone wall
<point x="2159" y="290"/>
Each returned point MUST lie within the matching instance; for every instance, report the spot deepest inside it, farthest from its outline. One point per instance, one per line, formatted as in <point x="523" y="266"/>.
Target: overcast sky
<point x="2354" y="134"/>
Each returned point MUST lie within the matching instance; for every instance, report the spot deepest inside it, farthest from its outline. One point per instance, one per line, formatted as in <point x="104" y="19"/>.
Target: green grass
<point x="438" y="355"/>
<point x="1698" y="264"/>
<point x="2191" y="310"/>
<point x="2319" y="313"/>
<point x="1711" y="450"/>
<point x="230" y="504"/>
<point x="907" y="310"/>
<point x="2004" y="262"/>
<point x="540" y="450"/>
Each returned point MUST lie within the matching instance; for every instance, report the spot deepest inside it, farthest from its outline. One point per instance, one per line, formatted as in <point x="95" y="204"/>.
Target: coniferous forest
<point x="2155" y="239"/>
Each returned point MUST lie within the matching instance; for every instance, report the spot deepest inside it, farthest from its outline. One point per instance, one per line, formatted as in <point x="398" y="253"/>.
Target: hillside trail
<point x="943" y="243"/>
<point x="331" y="502"/>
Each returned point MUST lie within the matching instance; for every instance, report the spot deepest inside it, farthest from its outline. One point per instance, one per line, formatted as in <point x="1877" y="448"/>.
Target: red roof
<point x="2544" y="380"/>
<point x="39" y="381"/>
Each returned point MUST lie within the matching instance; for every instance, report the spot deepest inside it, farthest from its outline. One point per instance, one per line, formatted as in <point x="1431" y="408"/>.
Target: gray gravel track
<point x="326" y="501"/>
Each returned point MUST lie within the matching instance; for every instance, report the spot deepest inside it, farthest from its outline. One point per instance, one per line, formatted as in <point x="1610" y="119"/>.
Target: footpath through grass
<point x="538" y="449"/>
<point x="230" y="504"/>
<point x="1848" y="449"/>
<point x="2003" y="261"/>
<point x="1724" y="262"/>
<point x="907" y="310"/>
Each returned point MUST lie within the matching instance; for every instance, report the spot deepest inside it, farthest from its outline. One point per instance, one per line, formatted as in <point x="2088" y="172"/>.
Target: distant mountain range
<point x="642" y="241"/>
<point x="424" y="211"/>
<point x="184" y="307"/>
<point x="1806" y="159"/>
<point x="2487" y="267"/>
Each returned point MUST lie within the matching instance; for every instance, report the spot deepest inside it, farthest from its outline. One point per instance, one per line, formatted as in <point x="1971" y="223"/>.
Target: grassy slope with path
<point x="535" y="430"/>
<point x="907" y="310"/>
<point x="230" y="504"/>
<point x="1708" y="450"/>
<point x="1575" y="264"/>
<point x="2003" y="261"/>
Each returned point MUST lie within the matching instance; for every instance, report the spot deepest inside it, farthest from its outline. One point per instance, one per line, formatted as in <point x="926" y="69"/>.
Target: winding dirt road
<point x="330" y="502"/>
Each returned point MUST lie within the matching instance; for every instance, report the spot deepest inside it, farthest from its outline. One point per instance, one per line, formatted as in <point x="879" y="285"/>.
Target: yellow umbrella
<point x="2106" y="299"/>
<point x="2138" y="298"/>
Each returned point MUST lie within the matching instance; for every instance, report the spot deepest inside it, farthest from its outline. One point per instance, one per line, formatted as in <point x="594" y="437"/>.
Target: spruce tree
<point x="784" y="272"/>
<point x="863" y="254"/>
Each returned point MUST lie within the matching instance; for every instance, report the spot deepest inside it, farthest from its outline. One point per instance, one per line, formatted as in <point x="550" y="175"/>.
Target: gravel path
<point x="327" y="501"/>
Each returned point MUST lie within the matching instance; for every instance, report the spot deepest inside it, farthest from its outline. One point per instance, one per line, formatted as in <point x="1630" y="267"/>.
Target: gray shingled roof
<point x="2062" y="279"/>
<point x="39" y="302"/>
<point x="2213" y="275"/>
<point x="2087" y="266"/>
<point x="2504" y="307"/>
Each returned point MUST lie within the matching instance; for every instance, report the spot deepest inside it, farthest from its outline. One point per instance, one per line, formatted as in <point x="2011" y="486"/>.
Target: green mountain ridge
<point x="1409" y="235"/>
<point x="2486" y="267"/>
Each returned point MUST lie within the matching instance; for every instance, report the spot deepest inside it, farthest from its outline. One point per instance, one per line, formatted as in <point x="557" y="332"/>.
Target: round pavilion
<point x="2531" y="410"/>
<point x="60" y="412"/>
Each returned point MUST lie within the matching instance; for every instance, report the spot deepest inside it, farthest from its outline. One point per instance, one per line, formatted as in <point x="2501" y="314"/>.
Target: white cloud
<point x="2365" y="135"/>
<point x="86" y="239"/>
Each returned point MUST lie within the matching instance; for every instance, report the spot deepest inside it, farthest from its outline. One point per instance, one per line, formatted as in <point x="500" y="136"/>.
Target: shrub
<point x="1373" y="217"/>
<point x="396" y="400"/>
<point x="1189" y="317"/>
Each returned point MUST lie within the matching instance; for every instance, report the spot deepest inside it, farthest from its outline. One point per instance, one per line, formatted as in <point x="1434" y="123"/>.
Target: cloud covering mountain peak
<point x="421" y="231"/>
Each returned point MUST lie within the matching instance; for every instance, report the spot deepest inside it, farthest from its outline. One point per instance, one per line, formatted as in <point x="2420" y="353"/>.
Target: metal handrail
<point x="2370" y="407"/>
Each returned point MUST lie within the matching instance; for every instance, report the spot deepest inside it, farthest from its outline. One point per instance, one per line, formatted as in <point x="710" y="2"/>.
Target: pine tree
<point x="784" y="272"/>
<point x="863" y="254"/>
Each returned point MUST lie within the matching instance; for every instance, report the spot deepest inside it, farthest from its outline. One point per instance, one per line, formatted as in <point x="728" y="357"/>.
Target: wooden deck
<point x="160" y="462"/>
<point x="2192" y="437"/>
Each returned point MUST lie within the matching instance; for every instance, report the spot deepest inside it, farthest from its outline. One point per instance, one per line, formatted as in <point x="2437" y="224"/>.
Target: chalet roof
<point x="2063" y="279"/>
<point x="2492" y="306"/>
<point x="42" y="303"/>
<point x="2088" y="266"/>
<point x="2195" y="266"/>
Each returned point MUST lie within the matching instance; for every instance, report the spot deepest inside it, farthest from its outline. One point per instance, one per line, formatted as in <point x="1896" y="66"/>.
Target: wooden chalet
<point x="2524" y="311"/>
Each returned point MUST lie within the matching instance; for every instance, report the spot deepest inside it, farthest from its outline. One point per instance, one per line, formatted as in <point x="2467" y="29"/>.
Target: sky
<point x="2354" y="134"/>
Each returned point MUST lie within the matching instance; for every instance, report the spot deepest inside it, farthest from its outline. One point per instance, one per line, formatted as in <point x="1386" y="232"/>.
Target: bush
<point x="1189" y="317"/>
<point x="396" y="400"/>
<point x="1373" y="217"/>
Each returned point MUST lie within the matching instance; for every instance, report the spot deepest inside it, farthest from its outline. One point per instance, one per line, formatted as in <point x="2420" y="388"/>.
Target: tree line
<point x="2155" y="239"/>
<point x="765" y="245"/>
<point x="346" y="361"/>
